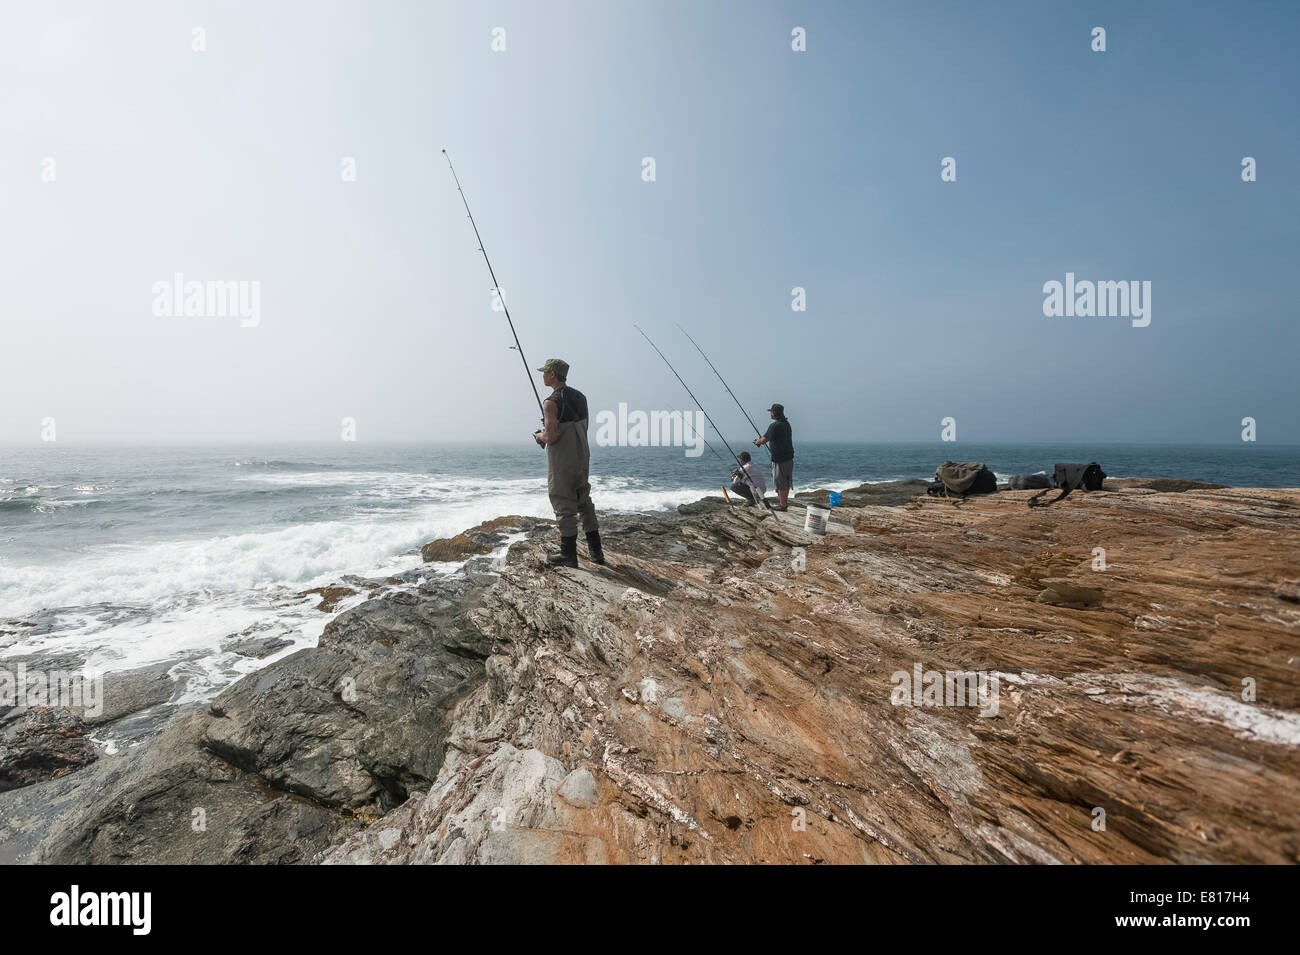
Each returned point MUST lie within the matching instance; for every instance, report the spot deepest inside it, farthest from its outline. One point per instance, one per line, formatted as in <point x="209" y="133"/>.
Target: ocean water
<point x="130" y="556"/>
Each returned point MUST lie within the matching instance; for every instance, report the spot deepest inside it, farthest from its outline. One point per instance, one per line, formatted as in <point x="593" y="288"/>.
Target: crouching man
<point x="747" y="480"/>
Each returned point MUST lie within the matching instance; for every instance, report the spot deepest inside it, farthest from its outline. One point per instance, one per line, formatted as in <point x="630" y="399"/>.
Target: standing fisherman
<point x="563" y="434"/>
<point x="568" y="461"/>
<point x="780" y="443"/>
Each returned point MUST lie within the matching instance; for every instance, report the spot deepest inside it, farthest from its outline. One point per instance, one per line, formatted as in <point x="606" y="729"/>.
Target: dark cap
<point x="557" y="365"/>
<point x="778" y="410"/>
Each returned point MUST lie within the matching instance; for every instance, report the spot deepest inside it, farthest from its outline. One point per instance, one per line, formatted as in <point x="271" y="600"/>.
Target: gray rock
<point x="258" y="647"/>
<point x="24" y="665"/>
<point x="459" y="712"/>
<point x="362" y="715"/>
<point x="674" y="707"/>
<point x="171" y="802"/>
<point x="281" y="764"/>
<point x="579" y="789"/>
<point x="510" y="819"/>
<point x="41" y="744"/>
<point x="130" y="691"/>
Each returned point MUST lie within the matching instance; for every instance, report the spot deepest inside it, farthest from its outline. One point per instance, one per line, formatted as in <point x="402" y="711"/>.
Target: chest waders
<point x="568" y="463"/>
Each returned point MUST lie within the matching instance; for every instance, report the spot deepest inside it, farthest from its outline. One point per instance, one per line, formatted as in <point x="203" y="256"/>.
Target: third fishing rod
<point x="739" y="463"/>
<point x="727" y="386"/>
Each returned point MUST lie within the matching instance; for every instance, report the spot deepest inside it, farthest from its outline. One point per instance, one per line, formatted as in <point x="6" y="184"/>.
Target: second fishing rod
<point x="727" y="386"/>
<point x="739" y="463"/>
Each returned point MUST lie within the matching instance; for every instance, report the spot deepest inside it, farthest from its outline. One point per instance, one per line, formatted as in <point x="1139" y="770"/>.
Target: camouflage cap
<point x="557" y="365"/>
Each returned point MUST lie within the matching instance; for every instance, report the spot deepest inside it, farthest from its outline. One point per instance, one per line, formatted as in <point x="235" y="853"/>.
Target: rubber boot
<point x="596" y="552"/>
<point x="568" y="555"/>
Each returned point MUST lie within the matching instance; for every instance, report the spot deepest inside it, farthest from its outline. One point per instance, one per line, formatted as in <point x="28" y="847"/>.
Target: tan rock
<point x="482" y="539"/>
<point x="329" y="596"/>
<point x="1068" y="593"/>
<point x="732" y="712"/>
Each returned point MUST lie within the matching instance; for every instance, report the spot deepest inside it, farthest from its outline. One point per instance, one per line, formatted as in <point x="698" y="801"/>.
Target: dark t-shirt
<point x="779" y="440"/>
<point x="570" y="403"/>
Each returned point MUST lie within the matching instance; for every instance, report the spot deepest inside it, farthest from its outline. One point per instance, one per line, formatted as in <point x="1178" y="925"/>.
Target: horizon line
<point x="270" y="442"/>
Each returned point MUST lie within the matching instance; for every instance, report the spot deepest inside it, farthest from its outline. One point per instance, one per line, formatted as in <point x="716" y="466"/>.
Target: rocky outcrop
<point x="170" y="802"/>
<point x="359" y="719"/>
<point x="483" y="539"/>
<point x="42" y="743"/>
<point x="51" y="737"/>
<point x="257" y="647"/>
<point x="884" y="494"/>
<point x="130" y="691"/>
<point x="284" y="762"/>
<point x="512" y="807"/>
<point x="1112" y="679"/>
<point x="329" y="596"/>
<point x="714" y="696"/>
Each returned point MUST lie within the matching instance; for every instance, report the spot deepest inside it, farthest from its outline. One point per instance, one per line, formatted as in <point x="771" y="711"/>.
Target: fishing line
<point x="739" y="463"/>
<point x="527" y="369"/>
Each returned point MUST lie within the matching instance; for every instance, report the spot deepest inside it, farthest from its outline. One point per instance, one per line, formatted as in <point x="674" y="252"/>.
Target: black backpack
<point x="1069" y="477"/>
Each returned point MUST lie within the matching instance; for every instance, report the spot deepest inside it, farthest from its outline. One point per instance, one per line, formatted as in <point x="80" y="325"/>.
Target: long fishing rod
<point x="739" y="463"/>
<point x="724" y="384"/>
<point x="713" y="449"/>
<point x="527" y="370"/>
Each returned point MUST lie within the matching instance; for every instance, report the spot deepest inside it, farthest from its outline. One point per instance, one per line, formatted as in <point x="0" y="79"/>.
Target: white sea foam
<point x="301" y="555"/>
<point x="125" y="606"/>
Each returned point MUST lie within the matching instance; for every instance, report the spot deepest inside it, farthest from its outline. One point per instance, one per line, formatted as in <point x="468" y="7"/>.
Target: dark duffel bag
<point x="1074" y="476"/>
<point x="957" y="479"/>
<point x="1070" y="477"/>
<point x="1027" y="482"/>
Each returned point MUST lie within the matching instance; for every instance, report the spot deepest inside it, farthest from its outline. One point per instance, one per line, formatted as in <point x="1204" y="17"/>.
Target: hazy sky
<point x="774" y="169"/>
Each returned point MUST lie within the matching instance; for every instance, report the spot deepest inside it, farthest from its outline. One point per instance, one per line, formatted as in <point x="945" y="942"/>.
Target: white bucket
<point x="815" y="520"/>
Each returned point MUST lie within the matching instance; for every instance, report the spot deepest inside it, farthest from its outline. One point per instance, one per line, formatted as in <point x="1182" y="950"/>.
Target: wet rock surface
<point x="359" y="718"/>
<point x="730" y="689"/>
<point x="282" y="762"/>
<point x="329" y="596"/>
<point x="170" y="801"/>
<point x="130" y="691"/>
<point x="42" y="744"/>
<point x="51" y="732"/>
<point x="479" y="540"/>
<point x="257" y="647"/>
